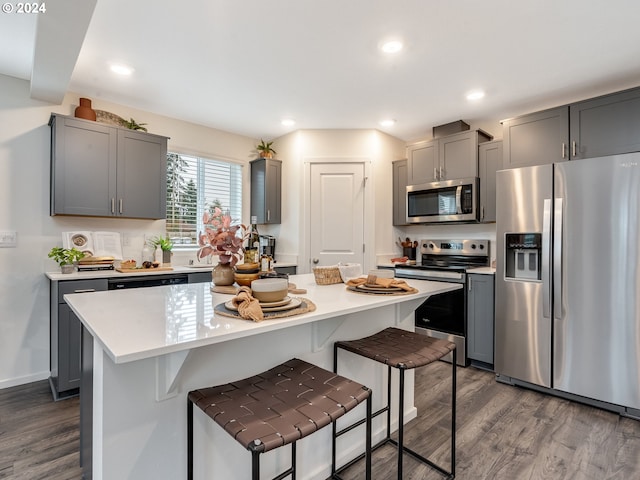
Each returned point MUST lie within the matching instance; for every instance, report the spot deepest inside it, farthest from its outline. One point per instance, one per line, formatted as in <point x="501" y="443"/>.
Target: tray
<point x="293" y="303"/>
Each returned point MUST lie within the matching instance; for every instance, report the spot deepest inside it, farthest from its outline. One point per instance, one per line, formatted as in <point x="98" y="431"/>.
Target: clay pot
<point x="85" y="111"/>
<point x="223" y="274"/>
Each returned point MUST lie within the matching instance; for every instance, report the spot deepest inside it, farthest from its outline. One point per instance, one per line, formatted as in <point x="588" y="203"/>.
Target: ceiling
<point x="243" y="66"/>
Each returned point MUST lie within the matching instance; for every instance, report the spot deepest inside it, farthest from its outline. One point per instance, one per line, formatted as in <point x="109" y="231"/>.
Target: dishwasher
<point x="147" y="281"/>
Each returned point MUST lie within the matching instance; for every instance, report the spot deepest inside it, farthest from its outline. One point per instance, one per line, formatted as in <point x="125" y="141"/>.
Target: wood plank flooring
<point x="510" y="433"/>
<point x="39" y="438"/>
<point x="503" y="433"/>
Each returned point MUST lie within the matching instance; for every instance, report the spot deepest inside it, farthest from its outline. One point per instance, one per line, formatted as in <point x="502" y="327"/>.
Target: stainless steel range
<point x="445" y="315"/>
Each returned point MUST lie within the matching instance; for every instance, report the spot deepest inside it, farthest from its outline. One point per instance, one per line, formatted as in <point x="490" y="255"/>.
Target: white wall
<point x="24" y="207"/>
<point x="297" y="148"/>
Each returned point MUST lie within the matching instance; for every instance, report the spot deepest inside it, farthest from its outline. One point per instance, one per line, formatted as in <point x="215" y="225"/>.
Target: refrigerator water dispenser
<point x="523" y="256"/>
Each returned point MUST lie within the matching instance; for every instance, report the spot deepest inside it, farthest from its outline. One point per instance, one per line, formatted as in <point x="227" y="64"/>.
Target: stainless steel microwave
<point x="446" y="201"/>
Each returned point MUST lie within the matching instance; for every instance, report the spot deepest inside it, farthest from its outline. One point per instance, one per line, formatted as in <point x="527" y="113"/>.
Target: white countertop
<point x="135" y="324"/>
<point x="483" y="270"/>
<point x="58" y="276"/>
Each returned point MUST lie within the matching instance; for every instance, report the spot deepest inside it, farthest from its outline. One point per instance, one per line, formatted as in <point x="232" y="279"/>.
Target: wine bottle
<point x="252" y="252"/>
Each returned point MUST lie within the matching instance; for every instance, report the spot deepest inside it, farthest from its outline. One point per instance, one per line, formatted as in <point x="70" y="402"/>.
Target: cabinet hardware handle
<point x="84" y="290"/>
<point x="469" y="284"/>
<point x="482" y="216"/>
<point x="441" y="173"/>
<point x="435" y="173"/>
<point x="564" y="150"/>
<point x="573" y="148"/>
<point x="268" y="215"/>
<point x="316" y="260"/>
<point x="113" y="205"/>
<point x="120" y="206"/>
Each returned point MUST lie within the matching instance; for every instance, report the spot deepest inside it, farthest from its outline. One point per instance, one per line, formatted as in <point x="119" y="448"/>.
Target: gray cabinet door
<point x="480" y="318"/>
<point x="65" y="335"/>
<point x="608" y="125"/>
<point x="83" y="167"/>
<point x="422" y="162"/>
<point x="489" y="162"/>
<point x="142" y="175"/>
<point x="458" y="154"/>
<point x="400" y="192"/>
<point x="266" y="190"/>
<point x="539" y="138"/>
<point x="104" y="171"/>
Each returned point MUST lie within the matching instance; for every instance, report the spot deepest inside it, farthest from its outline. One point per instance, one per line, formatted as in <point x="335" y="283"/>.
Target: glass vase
<point x="222" y="274"/>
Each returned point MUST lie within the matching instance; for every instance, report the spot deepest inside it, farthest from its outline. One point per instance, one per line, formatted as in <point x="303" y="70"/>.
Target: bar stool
<point x="279" y="407"/>
<point x="403" y="350"/>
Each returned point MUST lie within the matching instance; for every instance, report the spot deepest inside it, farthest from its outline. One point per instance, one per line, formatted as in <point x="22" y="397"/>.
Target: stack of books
<point x="95" y="263"/>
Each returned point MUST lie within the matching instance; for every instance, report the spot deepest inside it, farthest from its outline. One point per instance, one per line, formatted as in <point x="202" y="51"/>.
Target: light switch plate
<point x="8" y="239"/>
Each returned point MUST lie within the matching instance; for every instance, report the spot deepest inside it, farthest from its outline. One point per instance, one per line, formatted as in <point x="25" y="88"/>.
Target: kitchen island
<point x="145" y="349"/>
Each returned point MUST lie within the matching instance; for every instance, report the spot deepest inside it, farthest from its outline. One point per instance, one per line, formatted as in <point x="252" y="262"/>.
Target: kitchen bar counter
<point x="145" y="349"/>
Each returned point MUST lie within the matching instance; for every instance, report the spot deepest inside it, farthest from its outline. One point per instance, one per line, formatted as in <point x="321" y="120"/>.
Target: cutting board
<point x="143" y="270"/>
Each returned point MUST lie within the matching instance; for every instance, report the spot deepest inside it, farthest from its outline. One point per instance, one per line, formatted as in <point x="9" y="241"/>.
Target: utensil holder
<point x="409" y="252"/>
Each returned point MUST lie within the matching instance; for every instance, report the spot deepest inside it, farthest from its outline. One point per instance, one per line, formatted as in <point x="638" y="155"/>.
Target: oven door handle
<point x="459" y="199"/>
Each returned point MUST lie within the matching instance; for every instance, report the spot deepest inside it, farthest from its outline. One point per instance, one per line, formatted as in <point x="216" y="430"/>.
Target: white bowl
<point x="270" y="289"/>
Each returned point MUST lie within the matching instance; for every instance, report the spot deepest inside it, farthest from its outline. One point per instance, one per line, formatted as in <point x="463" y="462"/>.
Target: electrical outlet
<point x="8" y="239"/>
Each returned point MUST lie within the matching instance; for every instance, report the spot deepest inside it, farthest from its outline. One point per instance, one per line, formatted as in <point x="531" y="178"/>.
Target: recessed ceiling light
<point x="388" y="122"/>
<point x="121" y="69"/>
<point x="475" y="95"/>
<point x="391" y="46"/>
<point x="288" y="122"/>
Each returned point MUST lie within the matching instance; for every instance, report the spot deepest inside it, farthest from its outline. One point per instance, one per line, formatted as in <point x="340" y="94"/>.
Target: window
<point x="197" y="184"/>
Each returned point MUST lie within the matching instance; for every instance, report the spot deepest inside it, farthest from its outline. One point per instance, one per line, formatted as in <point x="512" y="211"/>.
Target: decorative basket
<point x="327" y="275"/>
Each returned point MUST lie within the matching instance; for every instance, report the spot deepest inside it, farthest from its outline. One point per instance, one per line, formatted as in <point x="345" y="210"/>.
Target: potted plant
<point x="133" y="125"/>
<point x="165" y="245"/>
<point x="265" y="149"/>
<point x="66" y="257"/>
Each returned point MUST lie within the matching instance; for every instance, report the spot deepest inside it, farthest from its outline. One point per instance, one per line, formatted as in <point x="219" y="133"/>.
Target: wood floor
<point x="39" y="438"/>
<point x="503" y="432"/>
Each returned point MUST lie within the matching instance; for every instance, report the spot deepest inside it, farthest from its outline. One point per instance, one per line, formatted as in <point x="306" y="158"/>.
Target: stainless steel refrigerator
<point x="568" y="277"/>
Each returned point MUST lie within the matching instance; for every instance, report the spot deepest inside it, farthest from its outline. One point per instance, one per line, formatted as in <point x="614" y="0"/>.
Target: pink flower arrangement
<point x="221" y="238"/>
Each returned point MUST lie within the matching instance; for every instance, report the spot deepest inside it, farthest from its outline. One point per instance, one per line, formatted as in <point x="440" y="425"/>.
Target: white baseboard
<point x="14" y="382"/>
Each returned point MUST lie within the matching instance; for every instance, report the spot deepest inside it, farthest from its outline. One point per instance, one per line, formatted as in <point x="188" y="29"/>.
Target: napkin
<point x="248" y="307"/>
<point x="381" y="282"/>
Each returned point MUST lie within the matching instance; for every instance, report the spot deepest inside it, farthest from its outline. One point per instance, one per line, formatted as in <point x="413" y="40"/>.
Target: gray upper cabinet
<point x="422" y="162"/>
<point x="458" y="154"/>
<point x="489" y="162"/>
<point x="266" y="190"/>
<point x="105" y="171"/>
<point x="400" y="192"/>
<point x="536" y="139"/>
<point x="608" y="125"/>
<point x="446" y="158"/>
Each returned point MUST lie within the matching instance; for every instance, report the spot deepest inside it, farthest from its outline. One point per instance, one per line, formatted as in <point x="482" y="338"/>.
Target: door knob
<point x="316" y="260"/>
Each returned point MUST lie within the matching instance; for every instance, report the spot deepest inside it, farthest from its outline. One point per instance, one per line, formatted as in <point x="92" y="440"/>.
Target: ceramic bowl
<point x="270" y="289"/>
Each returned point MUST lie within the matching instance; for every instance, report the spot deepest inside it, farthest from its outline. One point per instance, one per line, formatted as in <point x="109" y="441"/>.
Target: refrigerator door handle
<point x="546" y="258"/>
<point x="557" y="258"/>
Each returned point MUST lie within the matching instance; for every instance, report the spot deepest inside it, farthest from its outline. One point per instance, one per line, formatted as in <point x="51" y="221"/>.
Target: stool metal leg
<point x="368" y="440"/>
<point x="255" y="465"/>
<point x="400" y="423"/>
<point x="453" y="414"/>
<point x="189" y="440"/>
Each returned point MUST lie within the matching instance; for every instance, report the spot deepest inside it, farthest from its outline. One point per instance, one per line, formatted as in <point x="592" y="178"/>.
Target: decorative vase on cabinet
<point x="222" y="274"/>
<point x="85" y="111"/>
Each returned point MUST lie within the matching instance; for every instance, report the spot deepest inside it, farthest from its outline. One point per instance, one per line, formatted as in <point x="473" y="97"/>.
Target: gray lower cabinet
<point x="105" y="171"/>
<point x="65" y="335"/>
<point x="266" y="190"/>
<point x="399" y="168"/>
<point x="480" y="319"/>
<point x="489" y="162"/>
<point x="289" y="270"/>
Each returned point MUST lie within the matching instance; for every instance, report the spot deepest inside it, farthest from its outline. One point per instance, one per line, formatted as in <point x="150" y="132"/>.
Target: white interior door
<point x="336" y="213"/>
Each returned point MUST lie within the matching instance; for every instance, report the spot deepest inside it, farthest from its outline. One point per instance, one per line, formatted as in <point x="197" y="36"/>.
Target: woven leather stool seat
<point x="399" y="348"/>
<point x="279" y="406"/>
<point x="402" y="350"/>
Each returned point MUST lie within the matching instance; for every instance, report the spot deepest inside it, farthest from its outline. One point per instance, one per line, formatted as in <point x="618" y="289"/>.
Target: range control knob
<point x="473" y="246"/>
<point x="481" y="247"/>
